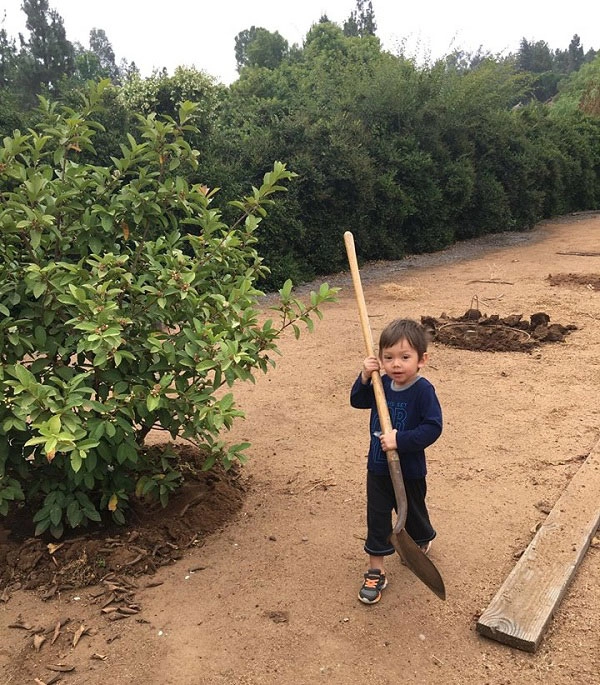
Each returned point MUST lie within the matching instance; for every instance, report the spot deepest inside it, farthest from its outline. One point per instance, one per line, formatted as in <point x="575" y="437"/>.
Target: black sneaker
<point x="375" y="581"/>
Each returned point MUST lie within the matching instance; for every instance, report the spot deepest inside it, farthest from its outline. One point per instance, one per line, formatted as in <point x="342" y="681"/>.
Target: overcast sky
<point x="202" y="34"/>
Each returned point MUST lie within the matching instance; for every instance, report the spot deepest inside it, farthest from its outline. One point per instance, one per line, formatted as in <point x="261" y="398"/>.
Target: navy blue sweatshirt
<point x="415" y="412"/>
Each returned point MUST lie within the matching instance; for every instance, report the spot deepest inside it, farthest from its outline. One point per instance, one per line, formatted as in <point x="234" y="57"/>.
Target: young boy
<point x="416" y="418"/>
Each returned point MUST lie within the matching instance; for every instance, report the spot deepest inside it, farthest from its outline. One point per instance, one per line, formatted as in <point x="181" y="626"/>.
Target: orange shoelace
<point x="371" y="583"/>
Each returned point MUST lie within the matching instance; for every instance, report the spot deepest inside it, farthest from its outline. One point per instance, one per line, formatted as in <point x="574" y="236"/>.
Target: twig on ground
<point x="490" y="280"/>
<point x="324" y="483"/>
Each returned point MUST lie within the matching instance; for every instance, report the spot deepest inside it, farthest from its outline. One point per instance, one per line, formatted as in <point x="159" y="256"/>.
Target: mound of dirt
<point x="589" y="281"/>
<point x="155" y="536"/>
<point x="513" y="333"/>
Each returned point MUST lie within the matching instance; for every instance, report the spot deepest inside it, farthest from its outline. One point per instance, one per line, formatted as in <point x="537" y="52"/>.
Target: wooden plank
<point x="522" y="608"/>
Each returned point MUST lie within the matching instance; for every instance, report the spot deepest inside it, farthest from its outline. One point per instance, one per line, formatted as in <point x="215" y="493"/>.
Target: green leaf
<point x="42" y="526"/>
<point x="74" y="514"/>
<point x="92" y="514"/>
<point x="36" y="441"/>
<point x="118" y="517"/>
<point x="78" y="293"/>
<point x="39" y="289"/>
<point x="39" y="334"/>
<point x="55" y="515"/>
<point x="122" y="453"/>
<point x="152" y="402"/>
<point x="209" y="462"/>
<point x="76" y="460"/>
<point x="91" y="461"/>
<point x="286" y="290"/>
<point x="24" y="375"/>
<point x="54" y="425"/>
<point x="57" y="531"/>
<point x="36" y="238"/>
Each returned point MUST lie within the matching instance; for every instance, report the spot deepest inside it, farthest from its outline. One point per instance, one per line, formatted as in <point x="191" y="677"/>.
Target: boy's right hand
<point x="370" y="364"/>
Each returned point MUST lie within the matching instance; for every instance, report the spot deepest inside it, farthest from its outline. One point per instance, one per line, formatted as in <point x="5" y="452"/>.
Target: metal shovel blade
<point x="412" y="555"/>
<point x="418" y="562"/>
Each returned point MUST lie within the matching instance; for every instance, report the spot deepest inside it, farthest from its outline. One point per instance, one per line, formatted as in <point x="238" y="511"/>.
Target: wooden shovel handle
<point x="393" y="458"/>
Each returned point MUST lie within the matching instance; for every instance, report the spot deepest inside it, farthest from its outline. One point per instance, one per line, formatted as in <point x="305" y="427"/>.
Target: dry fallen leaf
<point x="19" y="623"/>
<point x="48" y="681"/>
<point x="82" y="630"/>
<point x="117" y="616"/>
<point x="278" y="616"/>
<point x="38" y="641"/>
<point x="109" y="610"/>
<point x="56" y="633"/>
<point x="61" y="668"/>
<point x="129" y="610"/>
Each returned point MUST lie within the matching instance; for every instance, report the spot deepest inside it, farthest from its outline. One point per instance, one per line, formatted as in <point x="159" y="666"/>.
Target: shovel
<point x="412" y="555"/>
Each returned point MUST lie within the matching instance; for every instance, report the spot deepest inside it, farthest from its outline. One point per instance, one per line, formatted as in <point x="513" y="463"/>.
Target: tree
<point x="570" y="60"/>
<point x="260" y="48"/>
<point x="462" y="61"/>
<point x="361" y="21"/>
<point x="11" y="111"/>
<point x="127" y="304"/>
<point x="163" y="94"/>
<point x="101" y="47"/>
<point x="534" y="57"/>
<point x="8" y="59"/>
<point x="575" y="53"/>
<point x="242" y="40"/>
<point x="48" y="55"/>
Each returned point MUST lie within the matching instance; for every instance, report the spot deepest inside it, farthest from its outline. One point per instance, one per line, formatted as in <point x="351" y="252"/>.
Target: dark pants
<point x="381" y="500"/>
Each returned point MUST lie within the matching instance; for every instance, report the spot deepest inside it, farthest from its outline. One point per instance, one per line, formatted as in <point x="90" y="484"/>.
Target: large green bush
<point x="127" y="305"/>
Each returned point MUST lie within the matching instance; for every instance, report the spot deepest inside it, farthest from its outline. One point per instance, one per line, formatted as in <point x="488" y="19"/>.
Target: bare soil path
<point x="270" y="596"/>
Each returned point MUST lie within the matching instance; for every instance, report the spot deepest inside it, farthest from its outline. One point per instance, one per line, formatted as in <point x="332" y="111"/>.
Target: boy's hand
<point x="370" y="364"/>
<point x="388" y="440"/>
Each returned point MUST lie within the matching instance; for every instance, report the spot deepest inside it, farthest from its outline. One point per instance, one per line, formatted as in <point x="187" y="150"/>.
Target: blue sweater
<point x="414" y="411"/>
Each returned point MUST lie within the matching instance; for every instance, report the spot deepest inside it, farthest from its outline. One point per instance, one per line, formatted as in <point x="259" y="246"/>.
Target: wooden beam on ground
<point x="522" y="608"/>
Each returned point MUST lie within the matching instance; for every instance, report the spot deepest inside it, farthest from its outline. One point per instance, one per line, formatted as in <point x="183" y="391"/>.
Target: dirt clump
<point x="589" y="281"/>
<point x="512" y="333"/>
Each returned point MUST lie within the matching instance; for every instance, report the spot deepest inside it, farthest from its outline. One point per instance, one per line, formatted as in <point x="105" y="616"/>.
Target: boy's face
<point x="401" y="362"/>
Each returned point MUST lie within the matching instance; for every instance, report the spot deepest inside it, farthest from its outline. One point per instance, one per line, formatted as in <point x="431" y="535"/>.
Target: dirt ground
<point x="251" y="577"/>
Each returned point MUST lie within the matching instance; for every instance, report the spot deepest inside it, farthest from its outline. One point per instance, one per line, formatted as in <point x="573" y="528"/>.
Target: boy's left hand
<point x="388" y="440"/>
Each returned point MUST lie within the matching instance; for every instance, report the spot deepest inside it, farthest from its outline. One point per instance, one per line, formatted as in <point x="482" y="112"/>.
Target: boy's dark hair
<point x="404" y="329"/>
